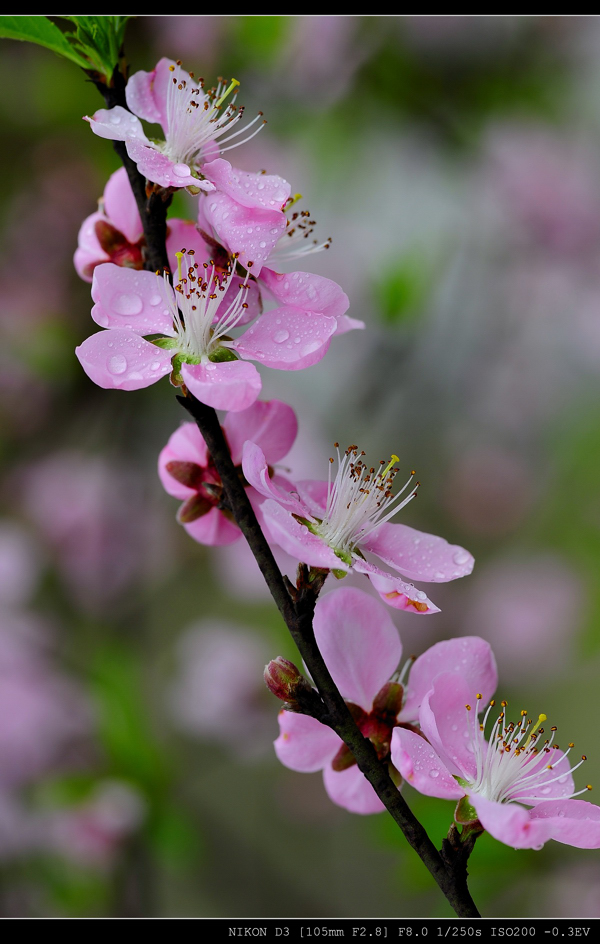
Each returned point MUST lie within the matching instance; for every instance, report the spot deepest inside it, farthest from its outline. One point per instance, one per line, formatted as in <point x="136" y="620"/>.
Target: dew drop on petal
<point x="563" y="779"/>
<point x="461" y="556"/>
<point x="154" y="365"/>
<point x="155" y="300"/>
<point x="128" y="303"/>
<point x="262" y="244"/>
<point x="454" y="727"/>
<point x="117" y="364"/>
<point x="439" y="575"/>
<point x="434" y="773"/>
<point x="280" y="336"/>
<point x="181" y="170"/>
<point x="546" y="790"/>
<point x="115" y="119"/>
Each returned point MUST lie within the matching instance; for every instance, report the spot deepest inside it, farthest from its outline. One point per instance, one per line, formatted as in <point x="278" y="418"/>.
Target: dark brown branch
<point x="298" y="615"/>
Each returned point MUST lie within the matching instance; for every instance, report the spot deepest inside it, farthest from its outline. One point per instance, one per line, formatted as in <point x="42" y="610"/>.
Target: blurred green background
<point x="455" y="162"/>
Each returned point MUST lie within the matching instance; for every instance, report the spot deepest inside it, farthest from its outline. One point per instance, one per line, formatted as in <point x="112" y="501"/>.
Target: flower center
<point x="195" y="117"/>
<point x="359" y="500"/>
<point x="515" y="765"/>
<point x="202" y="316"/>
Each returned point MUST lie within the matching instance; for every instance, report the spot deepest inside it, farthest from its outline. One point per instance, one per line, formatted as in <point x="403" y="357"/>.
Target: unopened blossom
<point x="197" y="124"/>
<point x="332" y="524"/>
<point x="193" y="321"/>
<point x="114" y="232"/>
<point x="518" y="783"/>
<point x="187" y="471"/>
<point x="361" y="648"/>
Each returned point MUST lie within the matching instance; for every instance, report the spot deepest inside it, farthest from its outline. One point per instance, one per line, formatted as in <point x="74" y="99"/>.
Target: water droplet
<point x="454" y="727"/>
<point x="280" y="336"/>
<point x="117" y="364"/>
<point x="434" y="773"/>
<point x="286" y="285"/>
<point x="311" y="292"/>
<point x="249" y="229"/>
<point x="260" y="186"/>
<point x="155" y="300"/>
<point x="461" y="556"/>
<point x="546" y="790"/>
<point x="128" y="303"/>
<point x="297" y="340"/>
<point x="154" y="365"/>
<point x="115" y="119"/>
<point x="439" y="575"/>
<point x="274" y="232"/>
<point x="563" y="779"/>
<point x="262" y="244"/>
<point x="211" y="366"/>
<point x="181" y="170"/>
<point x="225" y="215"/>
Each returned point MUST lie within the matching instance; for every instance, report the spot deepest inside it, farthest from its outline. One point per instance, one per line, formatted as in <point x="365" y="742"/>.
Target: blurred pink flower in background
<point x="219" y="693"/>
<point x="548" y="183"/>
<point x="45" y="717"/>
<point x="99" y="522"/>
<point x="530" y="609"/>
<point x="91" y="833"/>
<point x="19" y="564"/>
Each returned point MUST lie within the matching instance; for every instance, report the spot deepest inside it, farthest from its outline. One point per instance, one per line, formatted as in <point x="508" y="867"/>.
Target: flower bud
<point x="285" y="681"/>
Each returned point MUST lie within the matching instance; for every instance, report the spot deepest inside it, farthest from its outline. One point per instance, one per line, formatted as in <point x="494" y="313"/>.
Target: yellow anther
<point x="543" y="718"/>
<point x="233" y="84"/>
<point x="179" y="257"/>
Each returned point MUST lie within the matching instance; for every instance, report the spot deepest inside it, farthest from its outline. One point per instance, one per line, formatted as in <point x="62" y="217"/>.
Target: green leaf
<point x="40" y="30"/>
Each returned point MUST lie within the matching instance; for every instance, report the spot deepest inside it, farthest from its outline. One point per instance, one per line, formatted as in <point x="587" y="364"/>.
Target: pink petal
<point x="117" y="124"/>
<point x="297" y="540"/>
<point x="394" y="591"/>
<point x="305" y="744"/>
<point x="511" y="823"/>
<point x="313" y="493"/>
<point x="120" y="206"/>
<point x="126" y="298"/>
<point x="119" y="359"/>
<point x="351" y="790"/>
<point x="287" y="339"/>
<point x="230" y="385"/>
<point x="186" y="444"/>
<point x="183" y="234"/>
<point x="256" y="472"/>
<point x="157" y="167"/>
<point x="345" y="324"/>
<point x="448" y="725"/>
<point x="422" y="767"/>
<point x="89" y="252"/>
<point x="307" y="291"/>
<point x="250" y="232"/>
<point x="213" y="529"/>
<point x="573" y="822"/>
<point x="358" y="641"/>
<point x="417" y="555"/>
<point x="468" y="656"/>
<point x="260" y="191"/>
<point x="272" y="425"/>
<point x="146" y="93"/>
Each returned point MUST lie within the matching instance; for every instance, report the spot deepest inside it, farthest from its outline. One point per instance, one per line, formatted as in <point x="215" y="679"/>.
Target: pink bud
<point x="284" y="680"/>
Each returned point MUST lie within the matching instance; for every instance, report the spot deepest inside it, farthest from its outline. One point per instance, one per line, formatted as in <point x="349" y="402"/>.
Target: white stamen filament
<point x="359" y="500"/>
<point x="295" y="242"/>
<point x="194" y="117"/>
<point x="511" y="762"/>
<point x="198" y="295"/>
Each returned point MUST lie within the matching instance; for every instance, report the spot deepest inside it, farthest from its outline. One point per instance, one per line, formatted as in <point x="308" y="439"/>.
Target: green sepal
<point x="222" y="354"/>
<point x="465" y="812"/>
<point x="343" y="555"/>
<point x="167" y="344"/>
<point x="339" y="574"/>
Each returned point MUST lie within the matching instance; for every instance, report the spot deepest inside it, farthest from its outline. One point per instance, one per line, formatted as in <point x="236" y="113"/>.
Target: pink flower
<point x="191" y="119"/>
<point x="238" y="215"/>
<point x="187" y="472"/>
<point x="361" y="648"/>
<point x="194" y="321"/>
<point x="331" y="525"/>
<point x="115" y="234"/>
<point x="501" y="777"/>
